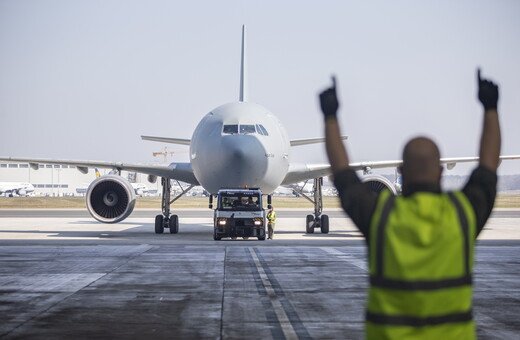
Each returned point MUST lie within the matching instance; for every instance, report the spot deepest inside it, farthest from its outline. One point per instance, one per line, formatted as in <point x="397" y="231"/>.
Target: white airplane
<point x="235" y="145"/>
<point x="283" y="191"/>
<point x="15" y="188"/>
<point x="140" y="188"/>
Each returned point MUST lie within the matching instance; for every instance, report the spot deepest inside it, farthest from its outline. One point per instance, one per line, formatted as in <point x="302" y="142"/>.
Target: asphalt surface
<point x="66" y="276"/>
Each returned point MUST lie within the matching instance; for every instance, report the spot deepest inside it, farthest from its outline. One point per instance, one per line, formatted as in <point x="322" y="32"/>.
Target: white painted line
<point x="287" y="328"/>
<point x="361" y="264"/>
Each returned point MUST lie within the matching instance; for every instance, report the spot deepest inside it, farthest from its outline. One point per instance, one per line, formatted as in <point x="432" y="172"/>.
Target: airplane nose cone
<point x="240" y="152"/>
<point x="244" y="160"/>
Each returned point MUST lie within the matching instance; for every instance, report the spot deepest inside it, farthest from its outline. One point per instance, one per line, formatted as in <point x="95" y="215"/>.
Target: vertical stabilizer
<point x="243" y="68"/>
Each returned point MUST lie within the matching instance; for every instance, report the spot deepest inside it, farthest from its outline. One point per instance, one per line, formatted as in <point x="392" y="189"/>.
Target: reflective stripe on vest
<point x="427" y="297"/>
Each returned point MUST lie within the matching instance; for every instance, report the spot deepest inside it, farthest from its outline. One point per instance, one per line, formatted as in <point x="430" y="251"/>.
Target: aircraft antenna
<point x="243" y="68"/>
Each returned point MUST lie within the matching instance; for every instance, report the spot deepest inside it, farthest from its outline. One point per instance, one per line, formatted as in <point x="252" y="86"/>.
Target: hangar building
<point x="60" y="180"/>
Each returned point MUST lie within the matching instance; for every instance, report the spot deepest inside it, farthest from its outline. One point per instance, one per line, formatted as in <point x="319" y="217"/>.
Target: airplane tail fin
<point x="243" y="68"/>
<point x="97" y="173"/>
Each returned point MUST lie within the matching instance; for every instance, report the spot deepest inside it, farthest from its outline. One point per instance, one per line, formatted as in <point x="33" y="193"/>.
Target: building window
<point x="56" y="166"/>
<point x="48" y="185"/>
<point x="24" y="166"/>
<point x="48" y="166"/>
<point x="41" y="166"/>
<point x="3" y="165"/>
<point x="13" y="165"/>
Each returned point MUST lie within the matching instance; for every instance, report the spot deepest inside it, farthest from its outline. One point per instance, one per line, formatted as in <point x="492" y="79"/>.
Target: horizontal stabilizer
<point x="181" y="141"/>
<point x="297" y="142"/>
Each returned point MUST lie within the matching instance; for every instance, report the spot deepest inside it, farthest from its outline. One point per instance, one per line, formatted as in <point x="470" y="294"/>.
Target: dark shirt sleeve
<point x="481" y="191"/>
<point x="357" y="199"/>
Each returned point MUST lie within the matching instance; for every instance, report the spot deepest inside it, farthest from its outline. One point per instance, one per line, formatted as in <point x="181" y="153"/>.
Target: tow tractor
<point x="239" y="213"/>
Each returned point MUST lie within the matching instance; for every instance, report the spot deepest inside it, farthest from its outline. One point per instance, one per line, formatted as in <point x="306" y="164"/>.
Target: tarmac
<point x="63" y="275"/>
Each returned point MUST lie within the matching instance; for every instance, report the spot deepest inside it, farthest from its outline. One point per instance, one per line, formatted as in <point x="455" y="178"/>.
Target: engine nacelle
<point x="110" y="199"/>
<point x="378" y="183"/>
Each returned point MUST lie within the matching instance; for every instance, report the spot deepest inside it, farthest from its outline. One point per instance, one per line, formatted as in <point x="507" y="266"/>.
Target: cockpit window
<point x="230" y="129"/>
<point x="261" y="130"/>
<point x="245" y="129"/>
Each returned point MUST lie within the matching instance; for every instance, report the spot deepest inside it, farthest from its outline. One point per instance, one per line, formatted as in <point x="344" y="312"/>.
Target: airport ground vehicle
<point x="239" y="213"/>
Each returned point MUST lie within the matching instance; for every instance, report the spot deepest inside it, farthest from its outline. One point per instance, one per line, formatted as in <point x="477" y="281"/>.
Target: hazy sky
<point x="84" y="79"/>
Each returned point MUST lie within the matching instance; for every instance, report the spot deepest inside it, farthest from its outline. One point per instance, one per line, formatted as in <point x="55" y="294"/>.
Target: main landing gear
<point x="166" y="220"/>
<point x="317" y="220"/>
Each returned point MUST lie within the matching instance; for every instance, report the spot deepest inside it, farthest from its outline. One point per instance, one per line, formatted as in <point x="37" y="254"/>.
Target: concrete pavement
<point x="69" y="277"/>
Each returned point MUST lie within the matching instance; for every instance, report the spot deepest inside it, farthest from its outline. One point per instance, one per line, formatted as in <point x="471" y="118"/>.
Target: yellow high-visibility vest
<point x="421" y="264"/>
<point x="271" y="217"/>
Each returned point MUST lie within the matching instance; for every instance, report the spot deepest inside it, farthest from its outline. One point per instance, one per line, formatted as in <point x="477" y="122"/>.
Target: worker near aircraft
<point x="421" y="243"/>
<point x="271" y="220"/>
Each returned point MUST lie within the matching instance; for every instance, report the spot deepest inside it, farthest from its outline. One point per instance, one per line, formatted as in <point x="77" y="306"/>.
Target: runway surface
<point x="66" y="276"/>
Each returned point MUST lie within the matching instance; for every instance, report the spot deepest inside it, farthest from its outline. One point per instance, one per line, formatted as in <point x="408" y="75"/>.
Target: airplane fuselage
<point x="240" y="144"/>
<point x="16" y="187"/>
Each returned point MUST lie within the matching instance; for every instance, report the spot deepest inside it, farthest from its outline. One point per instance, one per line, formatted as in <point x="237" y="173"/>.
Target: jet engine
<point x="110" y="199"/>
<point x="378" y="183"/>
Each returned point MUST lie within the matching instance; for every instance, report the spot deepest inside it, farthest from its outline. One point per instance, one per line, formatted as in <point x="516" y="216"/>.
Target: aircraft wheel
<point x="173" y="223"/>
<point x="324" y="224"/>
<point x="159" y="228"/>
<point x="261" y="238"/>
<point x="310" y="224"/>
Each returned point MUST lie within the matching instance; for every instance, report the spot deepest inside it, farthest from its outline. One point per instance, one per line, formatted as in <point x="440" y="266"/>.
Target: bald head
<point x="421" y="162"/>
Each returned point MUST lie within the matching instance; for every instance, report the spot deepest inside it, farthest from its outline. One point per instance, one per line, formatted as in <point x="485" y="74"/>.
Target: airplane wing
<point x="181" y="141"/>
<point x="298" y="142"/>
<point x="450" y="162"/>
<point x="179" y="171"/>
<point x="299" y="172"/>
<point x="302" y="172"/>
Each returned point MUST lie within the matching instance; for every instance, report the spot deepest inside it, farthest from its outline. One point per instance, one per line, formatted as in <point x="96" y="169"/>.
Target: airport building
<point x="61" y="180"/>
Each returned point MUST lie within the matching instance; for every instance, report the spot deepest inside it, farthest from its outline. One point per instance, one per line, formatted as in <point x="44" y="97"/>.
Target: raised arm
<point x="490" y="140"/>
<point x="336" y="151"/>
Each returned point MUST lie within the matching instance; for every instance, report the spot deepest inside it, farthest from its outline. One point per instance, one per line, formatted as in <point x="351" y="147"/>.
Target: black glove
<point x="487" y="93"/>
<point x="329" y="101"/>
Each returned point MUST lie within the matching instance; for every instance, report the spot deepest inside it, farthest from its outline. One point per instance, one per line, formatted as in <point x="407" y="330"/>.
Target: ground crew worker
<point x="271" y="219"/>
<point x="420" y="243"/>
